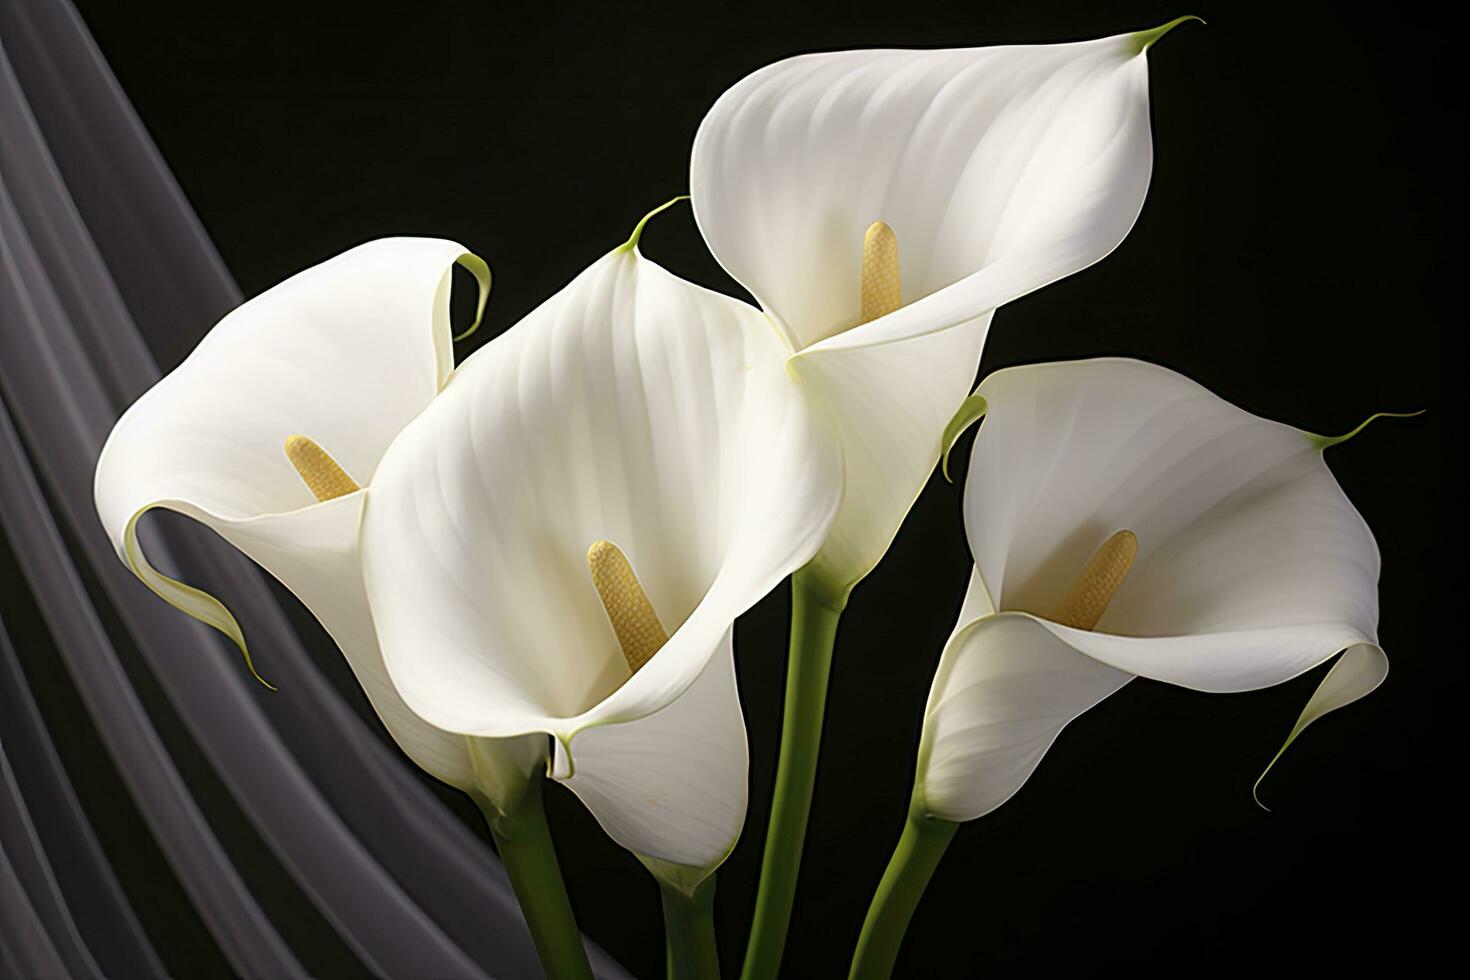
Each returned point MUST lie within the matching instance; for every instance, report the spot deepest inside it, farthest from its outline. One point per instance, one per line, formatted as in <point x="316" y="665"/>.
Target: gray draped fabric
<point x="102" y="262"/>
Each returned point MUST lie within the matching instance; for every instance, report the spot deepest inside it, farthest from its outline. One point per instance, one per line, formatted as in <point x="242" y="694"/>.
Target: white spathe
<point x="671" y="785"/>
<point x="346" y="353"/>
<point x="1252" y="566"/>
<point x="635" y="408"/>
<point x="1000" y="170"/>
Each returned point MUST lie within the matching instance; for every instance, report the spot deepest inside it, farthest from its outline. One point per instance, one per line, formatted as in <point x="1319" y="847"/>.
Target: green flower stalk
<point x="815" y="611"/>
<point x="689" y="931"/>
<point x="924" y="841"/>
<point x="517" y="822"/>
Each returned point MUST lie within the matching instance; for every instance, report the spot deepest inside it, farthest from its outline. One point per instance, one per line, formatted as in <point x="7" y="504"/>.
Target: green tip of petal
<point x="632" y="241"/>
<point x="192" y="602"/>
<point x="1256" y="786"/>
<point x="231" y="629"/>
<point x="1359" y="670"/>
<point x="1143" y="40"/>
<point x="250" y="663"/>
<point x="970" y="411"/>
<point x="1323" y="442"/>
<point x="477" y="267"/>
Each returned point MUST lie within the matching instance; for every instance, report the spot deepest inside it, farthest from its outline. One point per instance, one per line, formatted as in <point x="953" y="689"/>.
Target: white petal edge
<point x="1001" y="169"/>
<point x="1004" y="690"/>
<point x="1253" y="567"/>
<point x="888" y="406"/>
<point x="1357" y="673"/>
<point x="632" y="407"/>
<point x="1008" y="684"/>
<point x="671" y="786"/>
<point x="314" y="553"/>
<point x="346" y="352"/>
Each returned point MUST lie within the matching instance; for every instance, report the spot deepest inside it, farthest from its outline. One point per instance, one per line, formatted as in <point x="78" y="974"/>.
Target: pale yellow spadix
<point x="1100" y="580"/>
<point x="319" y="471"/>
<point x="639" y="632"/>
<point x="881" y="289"/>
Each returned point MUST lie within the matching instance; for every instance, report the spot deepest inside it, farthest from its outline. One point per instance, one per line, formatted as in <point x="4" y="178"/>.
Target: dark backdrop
<point x="1290" y="257"/>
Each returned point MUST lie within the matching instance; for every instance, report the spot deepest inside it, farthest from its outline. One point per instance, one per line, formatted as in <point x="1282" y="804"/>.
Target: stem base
<point x="524" y="842"/>
<point x="689" y="932"/>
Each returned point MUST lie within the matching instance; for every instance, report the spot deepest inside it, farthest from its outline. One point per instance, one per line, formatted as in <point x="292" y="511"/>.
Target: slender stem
<point x="689" y="931"/>
<point x="923" y="843"/>
<point x="815" y="610"/>
<point x="524" y="842"/>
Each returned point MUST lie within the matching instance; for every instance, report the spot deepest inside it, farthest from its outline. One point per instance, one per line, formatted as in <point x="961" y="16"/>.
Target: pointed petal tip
<point x="237" y="637"/>
<point x="256" y="674"/>
<point x="632" y="243"/>
<point x="480" y="269"/>
<point x="1326" y="442"/>
<point x="1358" y="672"/>
<point x="1141" y="41"/>
<point x="1256" y="786"/>
<point x="969" y="412"/>
<point x="194" y="603"/>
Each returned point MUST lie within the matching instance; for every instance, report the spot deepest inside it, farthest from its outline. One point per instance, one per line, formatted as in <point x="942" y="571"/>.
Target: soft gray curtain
<point x="102" y="262"/>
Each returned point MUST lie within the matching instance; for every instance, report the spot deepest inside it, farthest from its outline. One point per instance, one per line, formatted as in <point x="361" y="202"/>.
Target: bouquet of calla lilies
<point x="533" y="561"/>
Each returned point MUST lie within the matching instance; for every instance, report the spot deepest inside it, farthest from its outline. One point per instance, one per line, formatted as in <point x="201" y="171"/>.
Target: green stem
<point x="689" y="931"/>
<point x="524" y="842"/>
<point x="815" y="610"/>
<point x="923" y="843"/>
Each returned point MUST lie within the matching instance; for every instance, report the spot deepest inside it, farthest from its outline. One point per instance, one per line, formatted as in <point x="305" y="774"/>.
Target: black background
<point x="1290" y="257"/>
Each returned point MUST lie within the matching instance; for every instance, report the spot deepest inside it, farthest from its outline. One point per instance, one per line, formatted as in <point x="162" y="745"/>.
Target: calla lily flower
<point x="880" y="205"/>
<point x="269" y="431"/>
<point x="991" y="172"/>
<point x="1125" y="522"/>
<point x="561" y="542"/>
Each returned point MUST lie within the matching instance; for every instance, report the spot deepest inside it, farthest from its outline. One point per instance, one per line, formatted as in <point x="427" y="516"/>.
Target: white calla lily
<point x="1246" y="565"/>
<point x="329" y="366"/>
<point x="1124" y="522"/>
<point x="881" y="204"/>
<point x="562" y="540"/>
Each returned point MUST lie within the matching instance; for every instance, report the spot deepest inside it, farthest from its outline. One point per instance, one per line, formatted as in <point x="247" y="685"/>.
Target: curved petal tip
<point x="1143" y="40"/>
<point x="1324" y="442"/>
<point x="1358" y="672"/>
<point x="235" y="634"/>
<point x="1256" y="786"/>
<point x="632" y="242"/>
<point x="969" y="412"/>
<point x="480" y="269"/>
<point x="192" y="602"/>
<point x="256" y="674"/>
